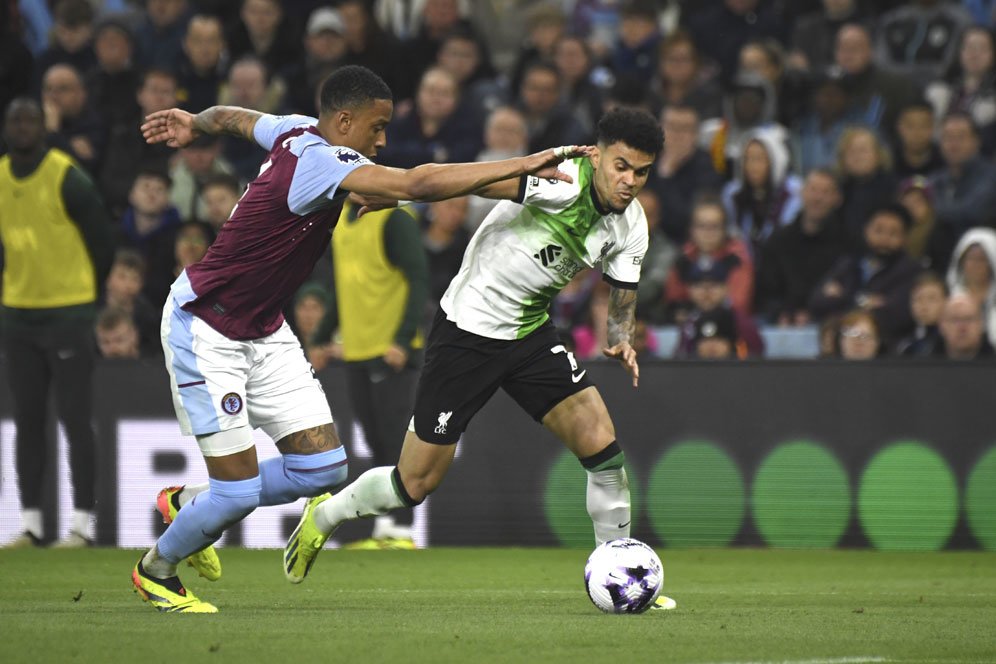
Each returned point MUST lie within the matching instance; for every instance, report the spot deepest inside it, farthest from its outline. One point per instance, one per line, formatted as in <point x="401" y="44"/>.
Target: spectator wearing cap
<point x="709" y="298"/>
<point x="915" y="152"/>
<point x="114" y="79"/>
<point x="325" y="49"/>
<point x="710" y="244"/>
<point x="797" y="256"/>
<point x="815" y="34"/>
<point x="713" y="337"/>
<point x="156" y="92"/>
<point x="926" y="305"/>
<point x="682" y="169"/>
<point x="970" y="85"/>
<point x="159" y="34"/>
<point x="201" y="70"/>
<point x="263" y="31"/>
<point x="858" y="336"/>
<point x="763" y="195"/>
<point x="878" y="278"/>
<point x="818" y="130"/>
<point x="197" y="162"/>
<point x="72" y="124"/>
<point x="964" y="191"/>
<point x="973" y="271"/>
<point x="149" y="225"/>
<point x="72" y="38"/>
<point x="962" y="329"/>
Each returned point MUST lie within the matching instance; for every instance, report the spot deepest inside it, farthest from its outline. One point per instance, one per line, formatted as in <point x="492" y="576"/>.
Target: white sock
<point x="371" y="494"/>
<point x="608" y="503"/>
<point x="83" y="523"/>
<point x="157" y="566"/>
<point x="383" y="527"/>
<point x="188" y="492"/>
<point x="31" y="520"/>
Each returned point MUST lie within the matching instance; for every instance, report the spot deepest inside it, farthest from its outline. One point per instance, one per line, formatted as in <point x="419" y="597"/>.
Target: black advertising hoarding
<point x="892" y="455"/>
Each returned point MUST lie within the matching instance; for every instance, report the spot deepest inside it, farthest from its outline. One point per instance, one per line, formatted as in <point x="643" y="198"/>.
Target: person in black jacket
<point x="878" y="279"/>
<point x="797" y="256"/>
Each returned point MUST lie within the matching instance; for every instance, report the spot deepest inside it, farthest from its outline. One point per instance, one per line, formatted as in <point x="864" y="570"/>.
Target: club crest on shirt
<point x="347" y="156"/>
<point x="231" y="403"/>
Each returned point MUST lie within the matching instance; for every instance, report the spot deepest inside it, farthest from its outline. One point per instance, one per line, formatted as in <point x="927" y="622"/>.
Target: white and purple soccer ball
<point x="623" y="576"/>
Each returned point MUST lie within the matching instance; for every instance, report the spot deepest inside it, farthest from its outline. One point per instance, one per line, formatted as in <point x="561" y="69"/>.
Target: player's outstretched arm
<point x="622" y="329"/>
<point x="433" y="182"/>
<point x="178" y="128"/>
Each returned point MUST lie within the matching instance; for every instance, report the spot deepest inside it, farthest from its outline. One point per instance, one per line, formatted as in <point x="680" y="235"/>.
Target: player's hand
<point x="174" y="127"/>
<point x="370" y="203"/>
<point x="396" y="357"/>
<point x="625" y="354"/>
<point x="544" y="164"/>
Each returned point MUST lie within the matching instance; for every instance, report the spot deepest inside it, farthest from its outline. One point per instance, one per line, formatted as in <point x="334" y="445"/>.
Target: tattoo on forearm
<point x="622" y="316"/>
<point x="227" y="120"/>
<point x="310" y="441"/>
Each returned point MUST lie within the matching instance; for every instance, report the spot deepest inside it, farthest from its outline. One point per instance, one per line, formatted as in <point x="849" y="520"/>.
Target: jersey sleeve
<point x="320" y="170"/>
<point x="548" y="194"/>
<point x="622" y="268"/>
<point x="269" y="127"/>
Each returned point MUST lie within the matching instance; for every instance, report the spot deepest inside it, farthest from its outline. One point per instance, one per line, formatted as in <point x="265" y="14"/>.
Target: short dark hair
<point x="930" y="278"/>
<point x="131" y="259"/>
<point x="893" y="210"/>
<point x="352" y="86"/>
<point x="962" y="116"/>
<point x="225" y="180"/>
<point x="111" y="317"/>
<point x="637" y="129"/>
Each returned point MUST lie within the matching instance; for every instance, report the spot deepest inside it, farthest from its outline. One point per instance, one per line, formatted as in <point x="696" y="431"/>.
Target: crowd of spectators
<point x="828" y="164"/>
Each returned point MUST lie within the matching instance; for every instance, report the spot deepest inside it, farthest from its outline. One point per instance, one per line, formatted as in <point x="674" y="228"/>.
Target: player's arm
<point x="621" y="326"/>
<point x="433" y="182"/>
<point x="505" y="190"/>
<point x="178" y="128"/>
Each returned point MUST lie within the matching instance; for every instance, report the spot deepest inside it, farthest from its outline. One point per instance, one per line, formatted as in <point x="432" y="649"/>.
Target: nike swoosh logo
<point x="623" y="525"/>
<point x="579" y="376"/>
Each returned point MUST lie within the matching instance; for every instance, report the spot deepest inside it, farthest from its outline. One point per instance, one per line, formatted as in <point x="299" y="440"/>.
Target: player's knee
<point x="315" y="483"/>
<point x="234" y="500"/>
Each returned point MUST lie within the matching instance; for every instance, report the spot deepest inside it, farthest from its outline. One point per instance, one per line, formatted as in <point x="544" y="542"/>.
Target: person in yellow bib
<point x="57" y="245"/>
<point x="381" y="286"/>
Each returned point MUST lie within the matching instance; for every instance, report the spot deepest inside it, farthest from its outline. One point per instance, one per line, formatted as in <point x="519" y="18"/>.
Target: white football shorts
<point x="220" y="384"/>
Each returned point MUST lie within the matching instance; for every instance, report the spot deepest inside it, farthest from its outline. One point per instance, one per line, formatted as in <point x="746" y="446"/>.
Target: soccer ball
<point x="623" y="576"/>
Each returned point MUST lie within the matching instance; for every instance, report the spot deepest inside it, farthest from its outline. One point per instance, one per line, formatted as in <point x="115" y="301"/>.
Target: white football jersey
<point x="525" y="253"/>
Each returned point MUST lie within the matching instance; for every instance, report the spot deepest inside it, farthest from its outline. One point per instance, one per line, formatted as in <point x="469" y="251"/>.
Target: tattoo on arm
<point x="310" y="441"/>
<point x="227" y="120"/>
<point x="622" y="316"/>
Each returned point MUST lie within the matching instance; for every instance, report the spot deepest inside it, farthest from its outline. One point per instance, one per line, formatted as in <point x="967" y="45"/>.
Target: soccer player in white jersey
<point x="233" y="362"/>
<point x="493" y="330"/>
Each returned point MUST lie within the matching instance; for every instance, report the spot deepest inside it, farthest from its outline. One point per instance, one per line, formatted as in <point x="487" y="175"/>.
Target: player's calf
<point x="607" y="497"/>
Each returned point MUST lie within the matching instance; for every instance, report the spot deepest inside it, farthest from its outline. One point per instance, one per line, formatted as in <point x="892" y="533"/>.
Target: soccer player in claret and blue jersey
<point x="493" y="330"/>
<point x="233" y="362"/>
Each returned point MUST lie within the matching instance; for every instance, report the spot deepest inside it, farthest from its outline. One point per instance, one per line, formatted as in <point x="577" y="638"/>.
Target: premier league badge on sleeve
<point x="231" y="403"/>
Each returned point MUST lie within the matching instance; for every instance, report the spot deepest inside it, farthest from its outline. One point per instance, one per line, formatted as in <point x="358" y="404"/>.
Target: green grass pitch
<point x="507" y="605"/>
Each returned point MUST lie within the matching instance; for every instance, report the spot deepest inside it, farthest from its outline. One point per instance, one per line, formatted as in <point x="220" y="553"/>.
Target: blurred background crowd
<point x="827" y="186"/>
